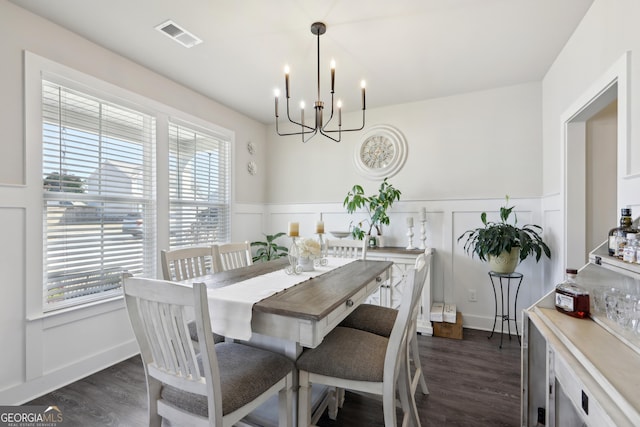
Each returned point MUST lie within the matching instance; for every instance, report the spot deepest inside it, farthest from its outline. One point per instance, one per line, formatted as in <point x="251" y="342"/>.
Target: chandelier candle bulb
<point x="363" y="85"/>
<point x="319" y="227"/>
<point x="294" y="229"/>
<point x="333" y="75"/>
<point x="286" y="80"/>
<point x="339" y="113"/>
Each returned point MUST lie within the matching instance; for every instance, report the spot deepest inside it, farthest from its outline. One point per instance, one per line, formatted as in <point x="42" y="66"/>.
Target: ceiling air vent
<point x="175" y="32"/>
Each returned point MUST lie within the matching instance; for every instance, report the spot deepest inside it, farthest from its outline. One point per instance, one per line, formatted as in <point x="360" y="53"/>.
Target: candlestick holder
<point x="323" y="252"/>
<point x="423" y="234"/>
<point x="293" y="267"/>
<point x="410" y="238"/>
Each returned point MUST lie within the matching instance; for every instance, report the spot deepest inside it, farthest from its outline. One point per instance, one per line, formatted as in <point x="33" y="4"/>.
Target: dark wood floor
<point x="472" y="383"/>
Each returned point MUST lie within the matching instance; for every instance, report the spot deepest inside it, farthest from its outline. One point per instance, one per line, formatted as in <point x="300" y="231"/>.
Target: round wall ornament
<point x="381" y="152"/>
<point x="251" y="147"/>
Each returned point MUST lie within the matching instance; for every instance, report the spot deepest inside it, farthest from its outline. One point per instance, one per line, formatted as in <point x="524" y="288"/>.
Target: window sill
<point x="80" y="312"/>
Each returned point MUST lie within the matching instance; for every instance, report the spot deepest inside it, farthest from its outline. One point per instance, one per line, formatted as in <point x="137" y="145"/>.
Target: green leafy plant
<point x="497" y="237"/>
<point x="269" y="249"/>
<point x="375" y="205"/>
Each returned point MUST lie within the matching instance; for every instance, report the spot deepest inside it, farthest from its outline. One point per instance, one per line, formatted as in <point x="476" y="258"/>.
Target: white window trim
<point x="35" y="67"/>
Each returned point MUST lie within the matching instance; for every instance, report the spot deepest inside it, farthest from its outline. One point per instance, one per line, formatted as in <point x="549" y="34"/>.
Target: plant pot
<point x="306" y="263"/>
<point x="380" y="241"/>
<point x="506" y="262"/>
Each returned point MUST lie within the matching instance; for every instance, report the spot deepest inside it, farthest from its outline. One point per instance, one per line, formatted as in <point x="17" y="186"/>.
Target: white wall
<point x="608" y="31"/>
<point x="466" y="152"/>
<point x="41" y="353"/>
<point x="476" y="145"/>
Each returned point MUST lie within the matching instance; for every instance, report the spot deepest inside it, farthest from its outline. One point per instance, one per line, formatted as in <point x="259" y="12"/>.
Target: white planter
<point x="506" y="262"/>
<point x="306" y="263"/>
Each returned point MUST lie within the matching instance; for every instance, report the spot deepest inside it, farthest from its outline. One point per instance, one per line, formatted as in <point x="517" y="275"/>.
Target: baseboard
<point x="25" y="392"/>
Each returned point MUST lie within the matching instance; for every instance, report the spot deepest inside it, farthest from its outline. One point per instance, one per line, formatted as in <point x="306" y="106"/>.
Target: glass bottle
<point x="617" y="235"/>
<point x="571" y="299"/>
<point x="629" y="253"/>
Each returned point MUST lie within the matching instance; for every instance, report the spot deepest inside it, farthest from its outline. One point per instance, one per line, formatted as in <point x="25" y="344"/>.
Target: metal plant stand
<point x="504" y="280"/>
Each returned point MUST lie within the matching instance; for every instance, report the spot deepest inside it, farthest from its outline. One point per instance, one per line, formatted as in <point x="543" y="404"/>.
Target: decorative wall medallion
<point x="252" y="168"/>
<point x="251" y="148"/>
<point x="381" y="152"/>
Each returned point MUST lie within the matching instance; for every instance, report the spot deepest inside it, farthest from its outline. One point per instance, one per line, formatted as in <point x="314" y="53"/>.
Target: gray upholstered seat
<point x="376" y="319"/>
<point x="219" y="384"/>
<point x="361" y="355"/>
<point x="245" y="373"/>
<point x="380" y="320"/>
<point x="355" y="359"/>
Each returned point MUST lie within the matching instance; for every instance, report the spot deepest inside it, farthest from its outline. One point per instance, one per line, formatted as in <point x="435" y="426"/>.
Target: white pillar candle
<point x="294" y="229"/>
<point x="319" y="227"/>
<point x="423" y="214"/>
<point x="410" y="221"/>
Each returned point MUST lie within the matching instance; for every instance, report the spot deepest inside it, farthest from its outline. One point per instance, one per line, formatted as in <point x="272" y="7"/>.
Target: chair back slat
<point x="230" y="256"/>
<point x="186" y="263"/>
<point x="347" y="248"/>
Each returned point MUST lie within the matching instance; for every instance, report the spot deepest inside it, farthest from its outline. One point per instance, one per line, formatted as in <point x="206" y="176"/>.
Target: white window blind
<point x="199" y="186"/>
<point x="98" y="196"/>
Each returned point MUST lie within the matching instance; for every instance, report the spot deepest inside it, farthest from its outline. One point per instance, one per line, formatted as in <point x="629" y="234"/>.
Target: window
<point x="198" y="186"/>
<point x="98" y="160"/>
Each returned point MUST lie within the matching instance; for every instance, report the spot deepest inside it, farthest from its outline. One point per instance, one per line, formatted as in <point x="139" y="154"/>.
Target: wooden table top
<point x="312" y="299"/>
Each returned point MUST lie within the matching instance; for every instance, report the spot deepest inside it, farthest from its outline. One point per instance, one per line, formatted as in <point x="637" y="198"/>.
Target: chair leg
<point x="153" y="394"/>
<point x="406" y="392"/>
<point x="415" y="355"/>
<point x="304" y="399"/>
<point x="285" y="410"/>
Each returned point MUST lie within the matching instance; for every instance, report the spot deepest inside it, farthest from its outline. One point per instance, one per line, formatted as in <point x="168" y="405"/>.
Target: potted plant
<point x="503" y="244"/>
<point x="269" y="249"/>
<point x="375" y="205"/>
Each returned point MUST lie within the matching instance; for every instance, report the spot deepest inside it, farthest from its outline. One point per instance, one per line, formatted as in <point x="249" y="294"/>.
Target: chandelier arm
<point x="297" y="123"/>
<point x="324" y="131"/>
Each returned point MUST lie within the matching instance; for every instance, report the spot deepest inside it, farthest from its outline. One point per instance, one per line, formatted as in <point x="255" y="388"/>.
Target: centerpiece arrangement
<point x="502" y="244"/>
<point x="308" y="250"/>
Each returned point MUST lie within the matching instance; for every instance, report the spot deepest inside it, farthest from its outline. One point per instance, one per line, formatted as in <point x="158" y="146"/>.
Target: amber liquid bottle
<point x="618" y="235"/>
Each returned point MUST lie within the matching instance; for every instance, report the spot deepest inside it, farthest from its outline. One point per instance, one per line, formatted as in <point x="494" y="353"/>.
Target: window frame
<point x="35" y="67"/>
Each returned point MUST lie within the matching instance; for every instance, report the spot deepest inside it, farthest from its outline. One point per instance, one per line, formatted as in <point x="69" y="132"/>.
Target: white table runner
<point x="230" y="307"/>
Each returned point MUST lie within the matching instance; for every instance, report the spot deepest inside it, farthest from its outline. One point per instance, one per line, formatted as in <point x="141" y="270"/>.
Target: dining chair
<point x="380" y="320"/>
<point x="188" y="263"/>
<point x="354" y="359"/>
<point x="220" y="384"/>
<point x="229" y="256"/>
<point x="347" y="248"/>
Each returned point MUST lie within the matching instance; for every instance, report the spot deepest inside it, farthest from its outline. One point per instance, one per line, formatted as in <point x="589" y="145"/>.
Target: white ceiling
<point x="406" y="50"/>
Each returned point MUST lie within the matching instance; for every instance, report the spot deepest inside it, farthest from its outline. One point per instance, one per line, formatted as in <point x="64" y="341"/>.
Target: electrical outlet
<point x="472" y="295"/>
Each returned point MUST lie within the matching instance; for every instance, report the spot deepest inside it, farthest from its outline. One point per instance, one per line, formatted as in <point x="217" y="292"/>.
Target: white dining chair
<point x="186" y="263"/>
<point x="354" y="359"/>
<point x="347" y="248"/>
<point x="229" y="256"/>
<point x="220" y="384"/>
<point x="380" y="320"/>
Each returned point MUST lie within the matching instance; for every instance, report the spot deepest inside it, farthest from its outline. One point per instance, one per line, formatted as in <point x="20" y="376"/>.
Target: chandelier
<point x="306" y="131"/>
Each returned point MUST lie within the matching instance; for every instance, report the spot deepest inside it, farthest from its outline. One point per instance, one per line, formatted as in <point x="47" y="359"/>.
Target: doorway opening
<point x="594" y="158"/>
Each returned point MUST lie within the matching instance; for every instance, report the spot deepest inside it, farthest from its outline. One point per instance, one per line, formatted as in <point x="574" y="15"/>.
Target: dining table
<point x="269" y="306"/>
<point x="295" y="310"/>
